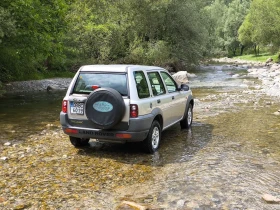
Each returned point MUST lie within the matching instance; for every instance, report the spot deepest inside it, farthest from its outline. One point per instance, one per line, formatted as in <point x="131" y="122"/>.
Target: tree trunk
<point x="234" y="51"/>
<point x="255" y="49"/>
<point x="242" y="49"/>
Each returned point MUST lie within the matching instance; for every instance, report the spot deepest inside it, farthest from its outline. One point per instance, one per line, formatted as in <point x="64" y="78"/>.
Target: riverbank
<point x="267" y="73"/>
<point x="37" y="85"/>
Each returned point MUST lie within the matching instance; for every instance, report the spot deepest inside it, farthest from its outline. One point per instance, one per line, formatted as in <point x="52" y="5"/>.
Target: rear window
<point x="87" y="81"/>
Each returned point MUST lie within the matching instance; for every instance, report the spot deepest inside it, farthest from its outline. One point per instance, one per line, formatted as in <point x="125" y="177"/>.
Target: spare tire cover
<point x="105" y="108"/>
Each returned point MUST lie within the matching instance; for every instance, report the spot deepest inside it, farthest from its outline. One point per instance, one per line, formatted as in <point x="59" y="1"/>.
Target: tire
<point x="105" y="108"/>
<point x="186" y="122"/>
<point x="152" y="142"/>
<point x="78" y="142"/>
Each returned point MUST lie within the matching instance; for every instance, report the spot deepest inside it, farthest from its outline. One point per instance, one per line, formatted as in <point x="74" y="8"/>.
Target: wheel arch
<point x="190" y="101"/>
<point x="159" y="119"/>
<point x="158" y="116"/>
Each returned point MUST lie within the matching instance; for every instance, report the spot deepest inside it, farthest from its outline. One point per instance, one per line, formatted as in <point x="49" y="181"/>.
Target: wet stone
<point x="129" y="205"/>
<point x="3" y="158"/>
<point x="180" y="203"/>
<point x="271" y="199"/>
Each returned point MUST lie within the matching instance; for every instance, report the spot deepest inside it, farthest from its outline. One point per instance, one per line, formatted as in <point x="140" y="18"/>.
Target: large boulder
<point x="182" y="76"/>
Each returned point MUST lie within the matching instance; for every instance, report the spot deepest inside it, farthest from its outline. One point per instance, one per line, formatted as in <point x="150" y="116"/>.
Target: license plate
<point x="76" y="108"/>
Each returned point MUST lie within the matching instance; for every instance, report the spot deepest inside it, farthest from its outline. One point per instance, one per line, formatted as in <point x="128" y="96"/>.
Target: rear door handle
<point x="158" y="101"/>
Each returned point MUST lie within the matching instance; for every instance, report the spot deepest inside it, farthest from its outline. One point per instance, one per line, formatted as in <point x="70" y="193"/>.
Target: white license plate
<point x="76" y="108"/>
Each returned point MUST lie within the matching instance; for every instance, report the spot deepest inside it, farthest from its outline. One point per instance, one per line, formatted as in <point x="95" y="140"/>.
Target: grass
<point x="260" y="58"/>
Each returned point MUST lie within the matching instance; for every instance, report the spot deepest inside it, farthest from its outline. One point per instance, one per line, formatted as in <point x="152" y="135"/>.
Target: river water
<point x="228" y="160"/>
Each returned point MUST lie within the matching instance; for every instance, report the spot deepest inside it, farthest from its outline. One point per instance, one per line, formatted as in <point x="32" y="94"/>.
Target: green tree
<point x="38" y="37"/>
<point x="235" y="16"/>
<point x="262" y="24"/>
<point x="7" y="24"/>
<point x="215" y="25"/>
<point x="109" y="31"/>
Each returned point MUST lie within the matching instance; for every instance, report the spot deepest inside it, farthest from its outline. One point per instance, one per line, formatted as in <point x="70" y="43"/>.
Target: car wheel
<point x="186" y="122"/>
<point x="78" y="142"/>
<point x="151" y="143"/>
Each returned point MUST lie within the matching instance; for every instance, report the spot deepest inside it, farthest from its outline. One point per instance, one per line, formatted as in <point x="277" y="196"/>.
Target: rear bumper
<point x="137" y="130"/>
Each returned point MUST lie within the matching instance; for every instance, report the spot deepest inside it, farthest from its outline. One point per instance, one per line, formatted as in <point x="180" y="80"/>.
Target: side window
<point x="156" y="83"/>
<point x="141" y="84"/>
<point x="169" y="82"/>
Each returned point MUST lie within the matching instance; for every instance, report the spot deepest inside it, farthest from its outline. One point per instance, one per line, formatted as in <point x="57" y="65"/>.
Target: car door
<point x="178" y="103"/>
<point x="159" y="97"/>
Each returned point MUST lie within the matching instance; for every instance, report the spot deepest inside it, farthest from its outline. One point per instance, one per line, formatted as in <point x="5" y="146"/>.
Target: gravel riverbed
<point x="229" y="160"/>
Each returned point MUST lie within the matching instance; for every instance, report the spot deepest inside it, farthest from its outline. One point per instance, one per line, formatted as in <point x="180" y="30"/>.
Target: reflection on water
<point x="228" y="163"/>
<point x="27" y="113"/>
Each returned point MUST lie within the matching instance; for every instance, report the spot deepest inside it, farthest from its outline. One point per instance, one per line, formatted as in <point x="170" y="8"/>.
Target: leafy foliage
<point x="37" y="37"/>
<point x="224" y="20"/>
<point x="262" y="24"/>
<point x="236" y="13"/>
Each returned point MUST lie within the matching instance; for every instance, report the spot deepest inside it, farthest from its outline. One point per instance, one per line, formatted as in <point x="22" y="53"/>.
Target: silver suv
<point x="124" y="103"/>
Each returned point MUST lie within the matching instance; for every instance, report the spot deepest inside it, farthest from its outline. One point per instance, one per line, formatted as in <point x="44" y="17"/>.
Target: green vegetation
<point x="45" y="38"/>
<point x="261" y="57"/>
<point x="262" y="25"/>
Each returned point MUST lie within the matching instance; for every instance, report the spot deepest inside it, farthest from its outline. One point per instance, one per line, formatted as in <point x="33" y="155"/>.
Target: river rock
<point x="129" y="205"/>
<point x="180" y="203"/>
<point x="190" y="75"/>
<point x="248" y="82"/>
<point x="3" y="158"/>
<point x="275" y="67"/>
<point x="277" y="113"/>
<point x="235" y="76"/>
<point x="271" y="199"/>
<point x="38" y="85"/>
<point x="181" y="76"/>
<point x="268" y="60"/>
<point x="54" y="88"/>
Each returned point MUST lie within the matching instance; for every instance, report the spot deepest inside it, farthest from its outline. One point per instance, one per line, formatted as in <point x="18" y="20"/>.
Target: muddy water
<point x="228" y="160"/>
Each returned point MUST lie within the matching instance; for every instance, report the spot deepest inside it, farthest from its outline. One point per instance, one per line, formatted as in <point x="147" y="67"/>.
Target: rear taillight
<point x="71" y="131"/>
<point x="123" y="135"/>
<point x="133" y="110"/>
<point x="64" y="106"/>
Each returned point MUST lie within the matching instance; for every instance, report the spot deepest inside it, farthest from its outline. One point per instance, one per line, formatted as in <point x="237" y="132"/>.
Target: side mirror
<point x="184" y="87"/>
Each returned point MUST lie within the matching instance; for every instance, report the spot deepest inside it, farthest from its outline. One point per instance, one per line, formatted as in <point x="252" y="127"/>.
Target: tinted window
<point x="141" y="84"/>
<point x="156" y="83"/>
<point x="169" y="82"/>
<point x="87" y="80"/>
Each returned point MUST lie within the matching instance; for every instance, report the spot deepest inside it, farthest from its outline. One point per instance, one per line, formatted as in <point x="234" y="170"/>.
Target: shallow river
<point x="228" y="160"/>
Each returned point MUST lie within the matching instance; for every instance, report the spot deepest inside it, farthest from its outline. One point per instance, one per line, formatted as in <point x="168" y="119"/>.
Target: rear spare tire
<point x="105" y="108"/>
